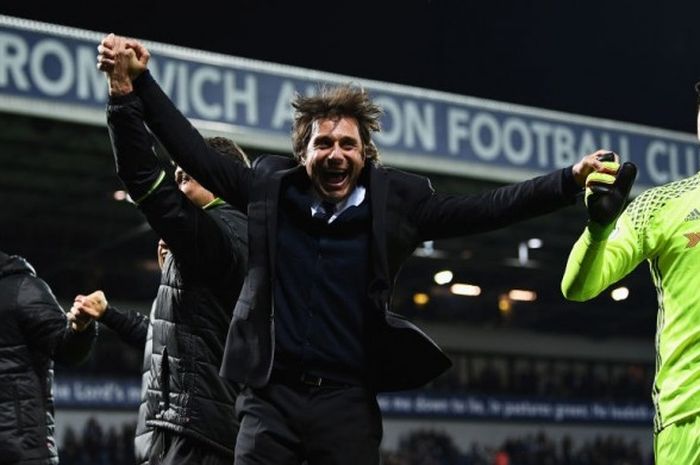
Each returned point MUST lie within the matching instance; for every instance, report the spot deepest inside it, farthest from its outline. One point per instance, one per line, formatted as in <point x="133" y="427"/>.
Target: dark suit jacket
<point x="405" y="212"/>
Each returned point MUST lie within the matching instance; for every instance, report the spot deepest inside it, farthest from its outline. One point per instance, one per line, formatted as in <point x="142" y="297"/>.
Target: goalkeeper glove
<point x="606" y="195"/>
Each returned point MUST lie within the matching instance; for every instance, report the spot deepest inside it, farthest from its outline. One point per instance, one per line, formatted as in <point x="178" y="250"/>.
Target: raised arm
<point x="440" y="215"/>
<point x="193" y="235"/>
<point x="125" y="61"/>
<point x="610" y="247"/>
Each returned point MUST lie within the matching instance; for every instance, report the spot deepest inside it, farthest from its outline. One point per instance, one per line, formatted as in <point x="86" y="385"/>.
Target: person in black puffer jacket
<point x="34" y="333"/>
<point x="189" y="411"/>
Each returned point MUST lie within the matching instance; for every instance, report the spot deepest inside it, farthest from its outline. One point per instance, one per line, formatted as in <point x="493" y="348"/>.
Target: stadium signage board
<point x="49" y="71"/>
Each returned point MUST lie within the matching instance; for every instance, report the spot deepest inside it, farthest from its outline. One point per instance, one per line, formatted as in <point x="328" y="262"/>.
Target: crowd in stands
<point x="95" y="446"/>
<point x="427" y="447"/>
<point x="557" y="379"/>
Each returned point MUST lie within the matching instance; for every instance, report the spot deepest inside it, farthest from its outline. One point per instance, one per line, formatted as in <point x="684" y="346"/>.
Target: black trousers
<point x="293" y="424"/>
<point x="169" y="448"/>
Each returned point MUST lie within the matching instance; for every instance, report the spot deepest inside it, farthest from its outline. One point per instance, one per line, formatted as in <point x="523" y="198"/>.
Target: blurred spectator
<point x="497" y="374"/>
<point x="501" y="458"/>
<point x="94" y="447"/>
<point x="428" y="447"/>
<point x="421" y="447"/>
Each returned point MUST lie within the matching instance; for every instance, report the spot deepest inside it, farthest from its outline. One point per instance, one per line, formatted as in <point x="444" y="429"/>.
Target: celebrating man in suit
<point x="312" y="334"/>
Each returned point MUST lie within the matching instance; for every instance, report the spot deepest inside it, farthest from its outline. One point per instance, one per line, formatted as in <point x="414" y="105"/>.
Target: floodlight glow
<point x="535" y="243"/>
<point x="465" y="289"/>
<point x="621" y="293"/>
<point x="522" y="295"/>
<point x="443" y="277"/>
<point x="421" y="298"/>
<point x="504" y="305"/>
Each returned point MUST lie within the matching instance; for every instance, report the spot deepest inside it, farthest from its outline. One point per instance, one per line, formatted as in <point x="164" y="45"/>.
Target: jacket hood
<point x="14" y="264"/>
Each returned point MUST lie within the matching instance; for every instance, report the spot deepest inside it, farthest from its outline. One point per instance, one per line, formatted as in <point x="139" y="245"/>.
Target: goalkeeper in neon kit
<point x="662" y="226"/>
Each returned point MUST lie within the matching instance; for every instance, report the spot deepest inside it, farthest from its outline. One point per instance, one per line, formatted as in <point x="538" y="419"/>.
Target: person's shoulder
<point x="229" y="213"/>
<point x="231" y="223"/>
<point x="268" y="164"/>
<point x="16" y="266"/>
<point x="17" y="279"/>
<point x="660" y="195"/>
<point x="408" y="185"/>
<point x="679" y="187"/>
<point x="32" y="288"/>
<point x="645" y="206"/>
<point x="397" y="175"/>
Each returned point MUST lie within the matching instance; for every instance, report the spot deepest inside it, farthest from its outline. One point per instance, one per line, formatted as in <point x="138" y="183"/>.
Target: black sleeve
<point x="440" y="216"/>
<point x="135" y="161"/>
<point x="45" y="325"/>
<point x="76" y="346"/>
<point x="132" y="327"/>
<point x="223" y="176"/>
<point x="193" y="236"/>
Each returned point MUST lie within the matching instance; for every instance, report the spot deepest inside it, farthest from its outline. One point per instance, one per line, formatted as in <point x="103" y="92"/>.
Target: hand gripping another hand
<point x="606" y="194"/>
<point x="123" y="60"/>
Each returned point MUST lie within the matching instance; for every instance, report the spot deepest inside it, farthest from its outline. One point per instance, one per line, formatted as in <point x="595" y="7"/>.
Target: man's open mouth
<point x="335" y="178"/>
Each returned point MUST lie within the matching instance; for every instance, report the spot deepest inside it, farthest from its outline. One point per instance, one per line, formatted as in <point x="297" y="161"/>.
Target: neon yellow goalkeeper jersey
<point x="662" y="226"/>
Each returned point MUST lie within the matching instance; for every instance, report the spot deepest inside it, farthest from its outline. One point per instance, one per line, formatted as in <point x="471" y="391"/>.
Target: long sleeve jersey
<point x="661" y="226"/>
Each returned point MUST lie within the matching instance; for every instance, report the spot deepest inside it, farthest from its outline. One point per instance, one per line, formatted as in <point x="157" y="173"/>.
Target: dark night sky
<point x="623" y="60"/>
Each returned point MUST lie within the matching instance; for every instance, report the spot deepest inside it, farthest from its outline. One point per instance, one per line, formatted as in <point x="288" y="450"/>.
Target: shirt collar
<point x="356" y="197"/>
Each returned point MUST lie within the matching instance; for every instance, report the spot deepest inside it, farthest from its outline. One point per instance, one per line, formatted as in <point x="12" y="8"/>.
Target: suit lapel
<point x="378" y="197"/>
<point x="272" y="200"/>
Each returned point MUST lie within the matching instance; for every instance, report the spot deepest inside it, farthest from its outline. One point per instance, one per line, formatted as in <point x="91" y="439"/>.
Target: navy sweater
<point x="320" y="292"/>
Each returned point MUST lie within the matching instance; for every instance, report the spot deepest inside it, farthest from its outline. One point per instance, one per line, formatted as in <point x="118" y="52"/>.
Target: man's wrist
<point x="600" y="232"/>
<point x="120" y="87"/>
<point x="78" y="326"/>
<point x="109" y="310"/>
<point x="571" y="186"/>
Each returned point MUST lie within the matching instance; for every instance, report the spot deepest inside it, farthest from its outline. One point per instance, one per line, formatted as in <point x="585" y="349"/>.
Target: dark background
<point x="627" y="61"/>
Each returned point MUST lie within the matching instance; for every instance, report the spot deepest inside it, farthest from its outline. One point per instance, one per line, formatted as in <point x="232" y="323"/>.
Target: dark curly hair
<point x="229" y="148"/>
<point x="336" y="102"/>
